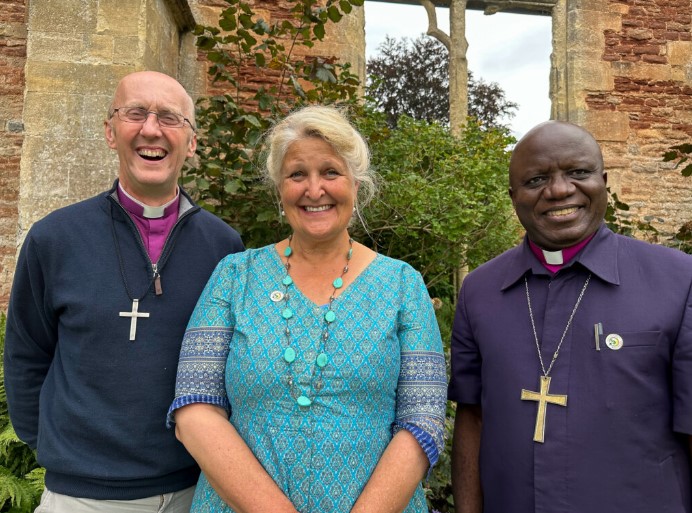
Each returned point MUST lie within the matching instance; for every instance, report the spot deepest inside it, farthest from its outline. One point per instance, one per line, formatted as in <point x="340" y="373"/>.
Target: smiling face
<point x="150" y="156"/>
<point x="557" y="185"/>
<point x="317" y="190"/>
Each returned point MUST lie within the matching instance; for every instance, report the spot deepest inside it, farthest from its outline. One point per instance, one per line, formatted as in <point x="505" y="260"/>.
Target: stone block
<point x="94" y="113"/>
<point x="65" y="16"/>
<point x="589" y="72"/>
<point x="679" y="53"/>
<point x="71" y="78"/>
<point x="56" y="115"/>
<point x="43" y="44"/>
<point x="607" y="126"/>
<point x="100" y="49"/>
<point x="128" y="51"/>
<point x="120" y="17"/>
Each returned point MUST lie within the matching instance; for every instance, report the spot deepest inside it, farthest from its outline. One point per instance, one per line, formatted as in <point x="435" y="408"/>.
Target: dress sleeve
<point x="205" y="346"/>
<point x="422" y="388"/>
<point x="31" y="338"/>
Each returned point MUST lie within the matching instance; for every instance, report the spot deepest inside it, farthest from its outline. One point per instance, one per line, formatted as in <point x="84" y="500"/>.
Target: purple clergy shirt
<point x="154" y="230"/>
<point x="621" y="443"/>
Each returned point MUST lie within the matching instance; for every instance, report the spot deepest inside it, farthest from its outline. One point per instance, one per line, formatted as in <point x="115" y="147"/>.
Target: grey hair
<point x="332" y="126"/>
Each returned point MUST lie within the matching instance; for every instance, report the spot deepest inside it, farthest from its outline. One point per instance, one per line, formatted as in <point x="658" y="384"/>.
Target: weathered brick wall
<point x="344" y="41"/>
<point x="624" y="71"/>
<point x="12" y="59"/>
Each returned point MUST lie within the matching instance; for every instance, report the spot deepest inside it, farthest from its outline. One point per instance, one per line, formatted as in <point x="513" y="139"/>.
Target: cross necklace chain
<point x="134" y="314"/>
<point x="543" y="397"/>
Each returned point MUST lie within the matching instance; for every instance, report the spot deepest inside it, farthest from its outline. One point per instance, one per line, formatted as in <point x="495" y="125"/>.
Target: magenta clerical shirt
<point x="154" y="223"/>
<point x="567" y="253"/>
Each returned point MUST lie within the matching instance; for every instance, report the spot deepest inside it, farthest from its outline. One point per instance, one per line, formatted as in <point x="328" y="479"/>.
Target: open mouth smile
<point x="320" y="208"/>
<point x="152" y="154"/>
<point x="562" y="212"/>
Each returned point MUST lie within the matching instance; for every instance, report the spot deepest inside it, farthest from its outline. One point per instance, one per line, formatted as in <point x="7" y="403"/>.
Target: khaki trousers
<point x="176" y="502"/>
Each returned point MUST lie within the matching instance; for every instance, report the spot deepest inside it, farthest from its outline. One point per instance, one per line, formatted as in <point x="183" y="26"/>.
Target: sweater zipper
<point x="156" y="271"/>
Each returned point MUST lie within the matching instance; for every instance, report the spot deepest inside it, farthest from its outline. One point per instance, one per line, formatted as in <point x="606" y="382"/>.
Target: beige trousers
<point x="176" y="502"/>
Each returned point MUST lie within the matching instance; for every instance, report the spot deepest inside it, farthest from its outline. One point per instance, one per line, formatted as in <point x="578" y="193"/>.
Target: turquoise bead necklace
<point x="289" y="354"/>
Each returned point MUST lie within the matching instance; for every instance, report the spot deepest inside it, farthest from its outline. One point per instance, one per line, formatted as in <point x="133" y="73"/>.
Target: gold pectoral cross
<point x="543" y="398"/>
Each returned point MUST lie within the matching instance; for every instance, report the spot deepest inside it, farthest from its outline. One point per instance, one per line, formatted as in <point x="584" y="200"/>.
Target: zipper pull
<point x="157" y="280"/>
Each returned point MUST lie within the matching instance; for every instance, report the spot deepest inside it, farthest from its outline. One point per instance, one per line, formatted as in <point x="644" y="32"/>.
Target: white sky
<point x="510" y="49"/>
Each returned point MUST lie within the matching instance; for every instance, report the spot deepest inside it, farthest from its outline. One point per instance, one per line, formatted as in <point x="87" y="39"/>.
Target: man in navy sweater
<point x="102" y="293"/>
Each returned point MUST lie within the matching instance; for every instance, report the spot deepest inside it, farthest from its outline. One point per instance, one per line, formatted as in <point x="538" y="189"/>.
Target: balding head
<point x="557" y="184"/>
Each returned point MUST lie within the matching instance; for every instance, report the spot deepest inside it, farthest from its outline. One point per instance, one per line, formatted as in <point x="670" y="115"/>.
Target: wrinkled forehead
<point x="555" y="146"/>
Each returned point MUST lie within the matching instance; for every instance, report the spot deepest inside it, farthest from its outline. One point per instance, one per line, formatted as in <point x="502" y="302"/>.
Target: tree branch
<point x="433" y="29"/>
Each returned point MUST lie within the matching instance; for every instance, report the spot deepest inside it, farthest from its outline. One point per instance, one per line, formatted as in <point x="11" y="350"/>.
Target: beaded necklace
<point x="289" y="354"/>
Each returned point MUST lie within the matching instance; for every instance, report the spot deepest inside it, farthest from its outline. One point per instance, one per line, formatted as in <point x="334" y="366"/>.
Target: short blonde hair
<point x="332" y="126"/>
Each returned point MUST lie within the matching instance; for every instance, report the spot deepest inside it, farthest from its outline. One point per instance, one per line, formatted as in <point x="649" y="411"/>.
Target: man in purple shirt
<point x="101" y="297"/>
<point x="572" y="353"/>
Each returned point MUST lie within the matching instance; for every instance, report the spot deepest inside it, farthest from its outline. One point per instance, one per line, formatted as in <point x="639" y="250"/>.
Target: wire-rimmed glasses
<point x="166" y="119"/>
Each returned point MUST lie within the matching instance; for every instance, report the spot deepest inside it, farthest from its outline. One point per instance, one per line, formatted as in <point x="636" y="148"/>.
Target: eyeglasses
<point x="166" y="119"/>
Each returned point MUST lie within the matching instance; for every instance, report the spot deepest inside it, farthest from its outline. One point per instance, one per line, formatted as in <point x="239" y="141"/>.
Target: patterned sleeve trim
<point x="202" y="367"/>
<point x="181" y="401"/>
<point x="423" y="438"/>
<point x="422" y="400"/>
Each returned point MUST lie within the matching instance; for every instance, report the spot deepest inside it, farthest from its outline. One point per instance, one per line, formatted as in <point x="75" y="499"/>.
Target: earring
<point x="283" y="214"/>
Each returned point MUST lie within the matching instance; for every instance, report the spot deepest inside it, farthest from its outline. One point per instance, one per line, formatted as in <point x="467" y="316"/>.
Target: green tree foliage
<point x="438" y="194"/>
<point x="411" y="77"/>
<point x="227" y="181"/>
<point x="21" y="479"/>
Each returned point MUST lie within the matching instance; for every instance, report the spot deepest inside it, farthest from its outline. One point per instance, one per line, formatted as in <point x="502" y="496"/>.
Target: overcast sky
<point x="510" y="49"/>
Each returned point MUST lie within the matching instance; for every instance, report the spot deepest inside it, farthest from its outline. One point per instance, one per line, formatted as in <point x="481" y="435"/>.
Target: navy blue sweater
<point x="92" y="402"/>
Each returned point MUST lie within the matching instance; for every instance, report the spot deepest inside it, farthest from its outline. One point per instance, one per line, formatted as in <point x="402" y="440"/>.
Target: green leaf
<point x="205" y="43"/>
<point x="318" y="30"/>
<point x="260" y="60"/>
<point x="684" y="148"/>
<point x="231" y="187"/>
<point x="345" y="6"/>
<point x="670" y="155"/>
<point x="334" y="14"/>
<point x="246" y="21"/>
<point x="252" y="119"/>
<point x="228" y="23"/>
<point x="687" y="170"/>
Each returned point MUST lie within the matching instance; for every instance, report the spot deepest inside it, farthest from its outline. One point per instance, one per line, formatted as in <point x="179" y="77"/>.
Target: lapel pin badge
<point x="614" y="341"/>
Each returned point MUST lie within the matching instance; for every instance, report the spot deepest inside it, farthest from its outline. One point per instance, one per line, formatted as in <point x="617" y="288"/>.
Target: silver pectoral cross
<point x="543" y="398"/>
<point x="134" y="314"/>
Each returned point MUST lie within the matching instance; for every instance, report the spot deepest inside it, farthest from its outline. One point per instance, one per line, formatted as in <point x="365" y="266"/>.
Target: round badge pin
<point x="614" y="341"/>
<point x="276" y="296"/>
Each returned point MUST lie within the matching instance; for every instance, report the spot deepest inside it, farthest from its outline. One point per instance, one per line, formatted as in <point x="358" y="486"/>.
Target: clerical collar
<point x="138" y="208"/>
<point x="556" y="260"/>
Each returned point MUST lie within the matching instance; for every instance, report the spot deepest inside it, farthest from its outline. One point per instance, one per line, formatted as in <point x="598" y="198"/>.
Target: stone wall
<point x="60" y="62"/>
<point x="13" y="35"/>
<point x="623" y="69"/>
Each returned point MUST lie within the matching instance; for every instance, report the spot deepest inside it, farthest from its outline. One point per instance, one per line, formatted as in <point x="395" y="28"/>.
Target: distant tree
<point x="411" y="77"/>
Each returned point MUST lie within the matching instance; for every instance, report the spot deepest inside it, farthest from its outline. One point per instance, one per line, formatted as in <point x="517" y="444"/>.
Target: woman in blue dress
<point x="311" y="376"/>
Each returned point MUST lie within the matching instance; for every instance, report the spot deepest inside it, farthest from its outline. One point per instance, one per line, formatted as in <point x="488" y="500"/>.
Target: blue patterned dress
<point x="385" y="372"/>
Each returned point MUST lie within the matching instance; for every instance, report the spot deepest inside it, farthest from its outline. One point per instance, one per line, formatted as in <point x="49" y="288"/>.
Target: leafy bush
<point x="443" y="202"/>
<point x="21" y="478"/>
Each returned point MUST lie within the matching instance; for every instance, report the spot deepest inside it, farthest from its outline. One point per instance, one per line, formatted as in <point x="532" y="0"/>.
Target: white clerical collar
<point x="553" y="257"/>
<point x="147" y="210"/>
